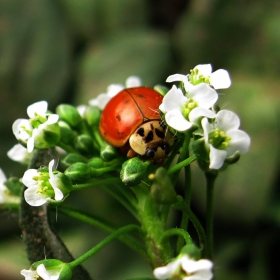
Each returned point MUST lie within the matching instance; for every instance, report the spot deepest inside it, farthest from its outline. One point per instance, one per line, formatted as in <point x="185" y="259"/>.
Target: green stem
<point x="176" y="231"/>
<point x="101" y="224"/>
<point x="152" y="225"/>
<point x="95" y="183"/>
<point x="181" y="164"/>
<point x="103" y="243"/>
<point x="210" y="181"/>
<point x="182" y="206"/>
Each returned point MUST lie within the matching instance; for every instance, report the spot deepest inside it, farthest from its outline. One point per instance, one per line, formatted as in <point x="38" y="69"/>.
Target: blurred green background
<point x="71" y="50"/>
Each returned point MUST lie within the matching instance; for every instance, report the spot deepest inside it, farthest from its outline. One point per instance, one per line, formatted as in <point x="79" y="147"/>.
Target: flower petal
<point x="176" y="78"/>
<point x="19" y="153"/>
<point x="40" y="108"/>
<point x="29" y="274"/>
<point x="53" y="118"/>
<point x="167" y="271"/>
<point x="220" y="79"/>
<point x="227" y="120"/>
<point x="176" y="120"/>
<point x="240" y="141"/>
<point x="31" y="142"/>
<point x="198" y="112"/>
<point x="174" y="99"/>
<point x="133" y="81"/>
<point x="18" y="130"/>
<point x="47" y="274"/>
<point x="204" y="69"/>
<point x="27" y="178"/>
<point x="58" y="194"/>
<point x="217" y="158"/>
<point x="204" y="95"/>
<point x="33" y="197"/>
<point x="206" y="128"/>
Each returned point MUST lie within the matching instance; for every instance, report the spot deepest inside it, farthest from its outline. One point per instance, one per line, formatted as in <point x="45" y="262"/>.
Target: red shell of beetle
<point x="126" y="111"/>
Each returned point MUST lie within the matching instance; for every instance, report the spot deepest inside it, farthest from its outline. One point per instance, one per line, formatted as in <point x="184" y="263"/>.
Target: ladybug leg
<point x="131" y="153"/>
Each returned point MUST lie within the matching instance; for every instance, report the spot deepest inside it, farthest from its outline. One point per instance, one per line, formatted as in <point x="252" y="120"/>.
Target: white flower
<point x="102" y="99"/>
<point x="202" y="73"/>
<point x="20" y="154"/>
<point x="41" y="271"/>
<point x="32" y="132"/>
<point x="182" y="112"/>
<point x="185" y="268"/>
<point x="41" y="186"/>
<point x="224" y="138"/>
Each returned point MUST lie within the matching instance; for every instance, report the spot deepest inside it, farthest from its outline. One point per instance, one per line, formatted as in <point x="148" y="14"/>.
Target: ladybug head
<point x="151" y="140"/>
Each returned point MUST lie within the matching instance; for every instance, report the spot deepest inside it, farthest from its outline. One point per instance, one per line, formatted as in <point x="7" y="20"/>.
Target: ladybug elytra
<point x="131" y="119"/>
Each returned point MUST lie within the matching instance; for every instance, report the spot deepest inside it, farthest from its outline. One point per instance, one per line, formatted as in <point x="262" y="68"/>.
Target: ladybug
<point x="131" y="121"/>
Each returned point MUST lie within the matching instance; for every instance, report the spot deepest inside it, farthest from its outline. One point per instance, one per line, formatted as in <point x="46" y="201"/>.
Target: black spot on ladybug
<point x="160" y="133"/>
<point x="149" y="137"/>
<point x="150" y="153"/>
<point x="118" y="117"/>
<point x="141" y="131"/>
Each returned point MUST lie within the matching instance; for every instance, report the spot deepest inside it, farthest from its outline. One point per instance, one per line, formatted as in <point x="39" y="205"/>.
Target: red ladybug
<point x="131" y="118"/>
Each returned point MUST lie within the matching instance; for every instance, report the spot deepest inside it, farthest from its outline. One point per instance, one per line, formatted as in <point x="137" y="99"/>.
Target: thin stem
<point x="181" y="205"/>
<point x="103" y="243"/>
<point x="210" y="180"/>
<point x="95" y="183"/>
<point x="176" y="231"/>
<point x="101" y="224"/>
<point x="181" y="164"/>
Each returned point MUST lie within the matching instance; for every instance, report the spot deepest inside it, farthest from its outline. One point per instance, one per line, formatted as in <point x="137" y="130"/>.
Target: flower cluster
<point x="40" y="131"/>
<point x="190" y="107"/>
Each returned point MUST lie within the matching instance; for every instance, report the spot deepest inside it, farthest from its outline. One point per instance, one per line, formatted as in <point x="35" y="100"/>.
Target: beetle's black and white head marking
<point x="152" y="140"/>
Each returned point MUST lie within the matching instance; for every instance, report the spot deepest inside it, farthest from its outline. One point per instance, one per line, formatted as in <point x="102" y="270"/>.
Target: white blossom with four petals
<point x="102" y="99"/>
<point x="185" y="268"/>
<point x="38" y="192"/>
<point x="223" y="138"/>
<point x="203" y="73"/>
<point x="197" y="104"/>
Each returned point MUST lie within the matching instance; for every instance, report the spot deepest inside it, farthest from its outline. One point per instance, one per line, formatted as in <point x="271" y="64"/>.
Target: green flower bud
<point x="71" y="158"/>
<point x="84" y="144"/>
<point x="69" y="114"/>
<point x="96" y="162"/>
<point x="53" y="267"/>
<point x="66" y="132"/>
<point x="133" y="171"/>
<point x="46" y="136"/>
<point x="161" y="89"/>
<point x="108" y="152"/>
<point x="92" y="116"/>
<point x="192" y="251"/>
<point x="79" y="172"/>
<point x="162" y="189"/>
